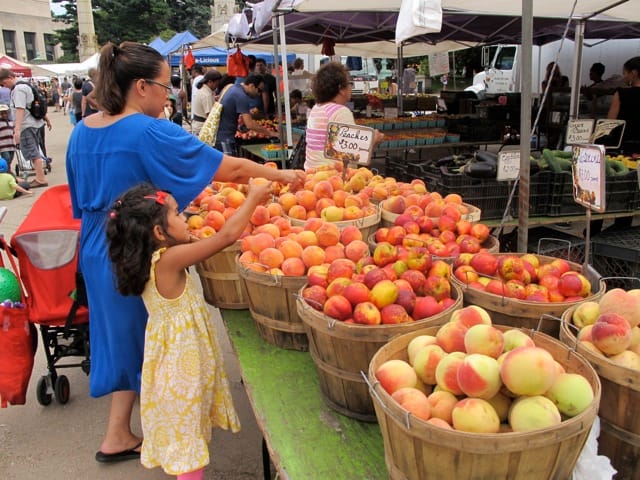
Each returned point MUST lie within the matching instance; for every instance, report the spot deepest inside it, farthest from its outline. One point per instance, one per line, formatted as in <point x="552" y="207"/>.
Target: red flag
<point x="189" y="60"/>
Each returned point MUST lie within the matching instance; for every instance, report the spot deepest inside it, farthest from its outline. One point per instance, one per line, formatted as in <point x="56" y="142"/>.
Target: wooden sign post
<point x="349" y="143"/>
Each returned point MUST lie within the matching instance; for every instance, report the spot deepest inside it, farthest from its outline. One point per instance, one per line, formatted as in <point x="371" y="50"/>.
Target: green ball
<point x="9" y="286"/>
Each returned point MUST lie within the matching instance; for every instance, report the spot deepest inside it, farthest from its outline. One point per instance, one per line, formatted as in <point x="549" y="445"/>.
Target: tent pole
<point x="400" y="79"/>
<point x="574" y="109"/>
<point x="285" y="78"/>
<point x="525" y="125"/>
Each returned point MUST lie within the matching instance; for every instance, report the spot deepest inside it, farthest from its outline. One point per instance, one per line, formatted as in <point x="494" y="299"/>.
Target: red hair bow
<point x="159" y="197"/>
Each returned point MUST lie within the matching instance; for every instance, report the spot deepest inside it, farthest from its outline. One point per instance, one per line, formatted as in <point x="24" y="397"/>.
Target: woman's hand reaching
<point x="294" y="178"/>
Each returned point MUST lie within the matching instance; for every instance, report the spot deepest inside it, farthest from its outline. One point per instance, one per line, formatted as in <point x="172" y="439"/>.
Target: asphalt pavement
<point x="59" y="442"/>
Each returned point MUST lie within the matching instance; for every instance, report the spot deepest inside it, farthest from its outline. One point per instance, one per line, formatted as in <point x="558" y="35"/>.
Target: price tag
<point x="579" y="132"/>
<point x="349" y="143"/>
<point x="390" y="112"/>
<point x="508" y="165"/>
<point x="588" y="176"/>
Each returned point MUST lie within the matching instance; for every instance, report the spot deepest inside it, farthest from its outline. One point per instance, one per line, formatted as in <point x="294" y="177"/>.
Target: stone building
<point x="28" y="31"/>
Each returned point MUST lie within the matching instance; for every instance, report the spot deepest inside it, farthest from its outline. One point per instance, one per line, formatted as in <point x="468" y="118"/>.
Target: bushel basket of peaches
<point x="606" y="332"/>
<point x="352" y="306"/>
<point x="429" y="204"/>
<point x="525" y="290"/>
<point x="472" y="399"/>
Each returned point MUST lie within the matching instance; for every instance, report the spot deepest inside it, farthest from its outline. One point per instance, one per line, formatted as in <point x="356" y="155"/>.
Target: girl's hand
<point x="261" y="192"/>
<point x="294" y="178"/>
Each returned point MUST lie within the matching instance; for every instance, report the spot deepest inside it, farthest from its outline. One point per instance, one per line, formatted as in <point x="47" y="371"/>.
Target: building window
<point x="49" y="46"/>
<point x="9" y="38"/>
<point x="30" y="44"/>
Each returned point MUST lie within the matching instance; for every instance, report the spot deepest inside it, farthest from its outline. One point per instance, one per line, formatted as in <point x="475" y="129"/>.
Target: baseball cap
<point x="4" y="168"/>
<point x="4" y="108"/>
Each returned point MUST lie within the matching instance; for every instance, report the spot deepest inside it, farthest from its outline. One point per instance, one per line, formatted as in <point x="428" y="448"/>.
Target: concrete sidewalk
<point x="59" y="441"/>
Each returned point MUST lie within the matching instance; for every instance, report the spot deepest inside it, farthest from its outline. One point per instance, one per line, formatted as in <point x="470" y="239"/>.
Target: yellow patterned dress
<point x="184" y="391"/>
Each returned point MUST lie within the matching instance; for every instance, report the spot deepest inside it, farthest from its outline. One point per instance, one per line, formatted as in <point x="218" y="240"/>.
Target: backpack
<point x="38" y="108"/>
<point x="299" y="154"/>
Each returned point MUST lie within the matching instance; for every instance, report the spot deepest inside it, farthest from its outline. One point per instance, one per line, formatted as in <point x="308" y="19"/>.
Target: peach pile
<point x="384" y="288"/>
<point x="429" y="204"/>
<point x="610" y="328"/>
<point x="446" y="236"/>
<point x="522" y="277"/>
<point x="474" y="377"/>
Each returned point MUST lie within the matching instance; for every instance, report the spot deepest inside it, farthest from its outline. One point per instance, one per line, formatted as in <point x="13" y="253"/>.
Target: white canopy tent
<point x="69" y="69"/>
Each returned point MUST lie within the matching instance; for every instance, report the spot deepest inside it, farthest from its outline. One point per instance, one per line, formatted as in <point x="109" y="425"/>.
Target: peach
<point x="338" y="286"/>
<point x="366" y="313"/>
<point x="510" y="267"/>
<point x="470" y="316"/>
<point x="479" y="376"/>
<point x="419" y="259"/>
<point x="307" y="238"/>
<point x="333" y="252"/>
<point x="306" y="199"/>
<point x="533" y="413"/>
<point x="611" y="333"/>
<point x="271" y="257"/>
<point x="312" y="255"/>
<point x="353" y="213"/>
<point x="315" y="296"/>
<point x="585" y="314"/>
<point x="414" y="401"/>
<point x="475" y="415"/>
<point x="416" y="279"/>
<point x="406" y="298"/>
<point x="339" y="197"/>
<point x="574" y="284"/>
<point x="321" y="204"/>
<point x="215" y="220"/>
<point x="528" y="371"/>
<point x="349" y="234"/>
<point x="480" y="231"/>
<point x="623" y="303"/>
<point x="425" y="362"/>
<point x="585" y="333"/>
<point x="384" y="293"/>
<point x="337" y="307"/>
<point x="393" y="313"/>
<point x="290" y="249"/>
<point x="195" y="222"/>
<point x="283" y="225"/>
<point x="426" y="307"/>
<point x="571" y="393"/>
<point x="275" y="209"/>
<point x="373" y="276"/>
<point x="514" y="338"/>
<point x="484" y="263"/>
<point x="260" y="215"/>
<point x="298" y="212"/>
<point x="341" y="267"/>
<point x="447" y="372"/>
<point x="234" y="199"/>
<point x="317" y="275"/>
<point x="442" y="403"/>
<point x="353" y="201"/>
<point x="396" y="374"/>
<point x="293" y="267"/>
<point x="260" y="242"/>
<point x="328" y="234"/>
<point x="627" y="359"/>
<point x="384" y="253"/>
<point x="417" y="343"/>
<point x="323" y="189"/>
<point x="501" y="404"/>
<point x="484" y="339"/>
<point x="332" y="213"/>
<point x="438" y="287"/>
<point x="356" y="249"/>
<point x="395" y="204"/>
<point x="466" y="274"/>
<point x="206" y="231"/>
<point x="357" y="292"/>
<point x="287" y="200"/>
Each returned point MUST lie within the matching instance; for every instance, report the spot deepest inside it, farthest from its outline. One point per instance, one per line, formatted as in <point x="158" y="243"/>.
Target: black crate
<point x="616" y="253"/>
<point x="622" y="192"/>
<point x="561" y="201"/>
<point x="552" y="243"/>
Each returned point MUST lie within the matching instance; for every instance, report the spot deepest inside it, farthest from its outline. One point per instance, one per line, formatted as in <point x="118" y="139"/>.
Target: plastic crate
<point x="616" y="253"/>
<point x="552" y="243"/>
<point x="622" y="193"/>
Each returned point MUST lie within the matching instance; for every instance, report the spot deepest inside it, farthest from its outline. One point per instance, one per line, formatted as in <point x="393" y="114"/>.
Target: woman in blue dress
<point x="122" y="145"/>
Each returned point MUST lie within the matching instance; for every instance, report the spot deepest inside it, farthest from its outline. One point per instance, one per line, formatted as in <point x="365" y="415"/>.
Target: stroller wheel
<point x="42" y="394"/>
<point x="62" y="389"/>
<point x="85" y="365"/>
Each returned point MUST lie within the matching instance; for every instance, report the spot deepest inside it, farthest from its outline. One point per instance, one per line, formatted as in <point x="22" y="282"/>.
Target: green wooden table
<point x="305" y="438"/>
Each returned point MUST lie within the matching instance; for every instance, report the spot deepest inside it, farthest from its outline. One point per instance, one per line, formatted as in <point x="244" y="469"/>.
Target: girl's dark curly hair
<point x="130" y="236"/>
<point x="328" y="81"/>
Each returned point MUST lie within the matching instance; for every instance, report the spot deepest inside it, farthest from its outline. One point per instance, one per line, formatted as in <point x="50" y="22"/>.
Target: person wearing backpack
<point x="27" y="113"/>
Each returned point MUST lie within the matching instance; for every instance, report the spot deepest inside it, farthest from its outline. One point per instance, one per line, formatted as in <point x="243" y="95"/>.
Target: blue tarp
<point x="213" y="56"/>
<point x="157" y="43"/>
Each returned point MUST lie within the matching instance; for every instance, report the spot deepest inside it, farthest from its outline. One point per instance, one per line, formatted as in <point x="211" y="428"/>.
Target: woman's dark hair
<point x="226" y="80"/>
<point x="120" y="66"/>
<point x="328" y="81"/>
<point x="175" y="81"/>
<point x="130" y="236"/>
<point x="632" y="64"/>
<point x="254" y="79"/>
<point x="297" y="94"/>
<point x="77" y="84"/>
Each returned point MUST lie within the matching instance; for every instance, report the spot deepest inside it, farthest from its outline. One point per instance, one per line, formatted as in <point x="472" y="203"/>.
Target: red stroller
<point x="46" y="245"/>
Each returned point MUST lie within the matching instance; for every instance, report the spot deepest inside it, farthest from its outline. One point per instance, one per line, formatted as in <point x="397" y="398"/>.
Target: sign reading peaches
<point x="349" y="143"/>
<point x="588" y="176"/>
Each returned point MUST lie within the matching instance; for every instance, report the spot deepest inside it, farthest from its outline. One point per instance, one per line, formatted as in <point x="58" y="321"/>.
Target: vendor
<point x="626" y="106"/>
<point x="331" y="88"/>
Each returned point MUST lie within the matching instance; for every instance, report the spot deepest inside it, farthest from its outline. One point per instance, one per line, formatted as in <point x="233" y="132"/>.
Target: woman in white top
<point x="203" y="99"/>
<point x="332" y="90"/>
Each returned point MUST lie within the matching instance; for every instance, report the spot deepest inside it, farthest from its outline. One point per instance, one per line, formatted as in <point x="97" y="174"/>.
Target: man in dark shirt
<point x="268" y="106"/>
<point x="89" y="104"/>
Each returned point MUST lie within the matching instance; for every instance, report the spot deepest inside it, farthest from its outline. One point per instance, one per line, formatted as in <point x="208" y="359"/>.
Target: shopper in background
<point x="203" y="99"/>
<point x="106" y="155"/>
<point x="7" y="142"/>
<point x="268" y="105"/>
<point x="332" y="90"/>
<point x="9" y="187"/>
<point x="89" y="104"/>
<point x="181" y="100"/>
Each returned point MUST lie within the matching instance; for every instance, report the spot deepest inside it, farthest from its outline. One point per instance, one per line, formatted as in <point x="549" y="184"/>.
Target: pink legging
<point x="195" y="475"/>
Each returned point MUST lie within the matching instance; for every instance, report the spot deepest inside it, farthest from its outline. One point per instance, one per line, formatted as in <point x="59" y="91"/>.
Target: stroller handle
<point x="3" y="213"/>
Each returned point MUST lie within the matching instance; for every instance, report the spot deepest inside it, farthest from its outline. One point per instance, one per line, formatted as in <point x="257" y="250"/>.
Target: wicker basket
<point x="619" y="416"/>
<point x="417" y="450"/>
<point x="388" y="218"/>
<point x="341" y="351"/>
<point x="221" y="284"/>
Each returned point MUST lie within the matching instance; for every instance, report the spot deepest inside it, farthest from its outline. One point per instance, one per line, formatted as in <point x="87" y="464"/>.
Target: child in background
<point x="9" y="187"/>
<point x="184" y="388"/>
<point x="7" y="143"/>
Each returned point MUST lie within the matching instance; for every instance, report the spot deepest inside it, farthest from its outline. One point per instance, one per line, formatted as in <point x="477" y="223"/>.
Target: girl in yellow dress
<point x="184" y="388"/>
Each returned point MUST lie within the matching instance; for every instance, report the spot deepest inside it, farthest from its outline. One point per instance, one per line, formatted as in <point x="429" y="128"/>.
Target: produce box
<point x="616" y="253"/>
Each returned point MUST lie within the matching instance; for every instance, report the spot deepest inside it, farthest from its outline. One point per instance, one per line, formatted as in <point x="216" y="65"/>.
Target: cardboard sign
<point x="588" y="164"/>
<point x="349" y="143"/>
<point x="608" y="133"/>
<point x="439" y="64"/>
<point x="579" y="132"/>
<point x="508" y="165"/>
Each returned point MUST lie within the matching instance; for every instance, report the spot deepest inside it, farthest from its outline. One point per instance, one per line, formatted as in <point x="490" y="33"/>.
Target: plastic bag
<point x="417" y="17"/>
<point x="238" y="64"/>
<point x="590" y="465"/>
<point x="16" y="355"/>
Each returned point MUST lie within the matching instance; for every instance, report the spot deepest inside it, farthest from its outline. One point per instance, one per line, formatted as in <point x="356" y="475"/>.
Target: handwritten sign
<point x="588" y="164"/>
<point x="349" y="143"/>
<point x="390" y="112"/>
<point x="579" y="132"/>
<point x="439" y="64"/>
<point x="508" y="165"/>
<point x="608" y="133"/>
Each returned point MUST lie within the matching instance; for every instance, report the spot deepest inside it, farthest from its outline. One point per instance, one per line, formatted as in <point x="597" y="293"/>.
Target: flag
<point x="189" y="59"/>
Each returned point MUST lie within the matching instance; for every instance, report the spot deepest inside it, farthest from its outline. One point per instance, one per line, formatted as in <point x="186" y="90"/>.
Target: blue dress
<point x="102" y="163"/>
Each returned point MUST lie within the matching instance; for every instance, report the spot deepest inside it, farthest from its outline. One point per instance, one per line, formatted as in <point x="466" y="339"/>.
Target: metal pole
<point x="285" y="78"/>
<point x="525" y="125"/>
<point x="574" y="108"/>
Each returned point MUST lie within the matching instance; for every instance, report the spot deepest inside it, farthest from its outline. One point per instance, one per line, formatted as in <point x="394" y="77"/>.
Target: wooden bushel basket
<point x="341" y="351"/>
<point x="473" y="215"/>
<point x="417" y="450"/>
<point x="221" y="284"/>
<point x="527" y="314"/>
<point x="619" y="413"/>
<point x="272" y="305"/>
